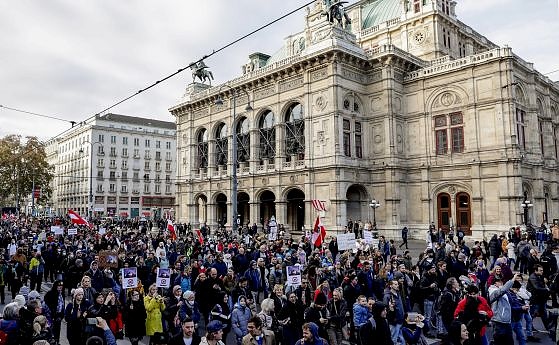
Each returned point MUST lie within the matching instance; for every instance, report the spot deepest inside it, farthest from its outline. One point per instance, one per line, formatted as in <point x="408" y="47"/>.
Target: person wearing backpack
<point x="523" y="248"/>
<point x="474" y="311"/>
<point x="446" y="304"/>
<point x="376" y="330"/>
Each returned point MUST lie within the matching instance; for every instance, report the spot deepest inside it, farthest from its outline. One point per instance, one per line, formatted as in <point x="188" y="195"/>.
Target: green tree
<point x="23" y="162"/>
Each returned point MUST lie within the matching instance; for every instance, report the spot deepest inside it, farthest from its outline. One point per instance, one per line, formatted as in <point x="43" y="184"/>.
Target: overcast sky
<point x="73" y="58"/>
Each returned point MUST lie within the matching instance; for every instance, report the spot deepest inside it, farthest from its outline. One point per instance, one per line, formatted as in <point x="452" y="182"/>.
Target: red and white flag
<point x="200" y="237"/>
<point x="319" y="205"/>
<point x="171" y="229"/>
<point x="319" y="232"/>
<point x="76" y="219"/>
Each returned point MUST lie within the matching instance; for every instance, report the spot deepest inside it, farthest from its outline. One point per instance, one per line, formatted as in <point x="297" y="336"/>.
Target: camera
<point x="91" y="321"/>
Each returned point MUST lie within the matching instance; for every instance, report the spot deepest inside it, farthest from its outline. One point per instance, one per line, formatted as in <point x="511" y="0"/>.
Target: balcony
<point x="102" y="153"/>
<point x="112" y="166"/>
<point x="135" y="192"/>
<point x="100" y="178"/>
<point x="147" y="157"/>
<point x="136" y="157"/>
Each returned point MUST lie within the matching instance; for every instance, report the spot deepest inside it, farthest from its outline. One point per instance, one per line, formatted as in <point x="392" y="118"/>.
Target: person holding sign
<point x="154" y="307"/>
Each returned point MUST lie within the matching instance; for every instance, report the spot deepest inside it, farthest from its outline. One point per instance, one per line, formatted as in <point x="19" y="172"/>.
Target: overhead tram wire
<point x="191" y="64"/>
<point x="37" y="114"/>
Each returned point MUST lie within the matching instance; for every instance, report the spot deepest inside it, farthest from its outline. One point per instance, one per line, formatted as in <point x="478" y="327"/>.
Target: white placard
<point x="163" y="278"/>
<point x="346" y="241"/>
<point x="72" y="231"/>
<point x="368" y="236"/>
<point x="102" y="231"/>
<point x="129" y="277"/>
<point x="294" y="275"/>
<point x="57" y="230"/>
<point x="374" y="243"/>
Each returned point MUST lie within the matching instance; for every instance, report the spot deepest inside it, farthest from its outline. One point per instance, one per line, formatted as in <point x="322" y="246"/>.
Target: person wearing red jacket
<point x="474" y="311"/>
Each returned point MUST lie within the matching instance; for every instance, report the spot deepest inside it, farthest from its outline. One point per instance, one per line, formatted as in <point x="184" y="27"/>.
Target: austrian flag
<point x="319" y="232"/>
<point x="76" y="219"/>
<point x="171" y="229"/>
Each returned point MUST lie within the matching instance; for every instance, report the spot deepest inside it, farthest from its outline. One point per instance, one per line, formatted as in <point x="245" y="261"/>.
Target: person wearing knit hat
<point x="317" y="313"/>
<point x="20" y="300"/>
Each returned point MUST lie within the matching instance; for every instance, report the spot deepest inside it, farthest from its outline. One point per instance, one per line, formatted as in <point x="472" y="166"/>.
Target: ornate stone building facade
<point x="408" y="106"/>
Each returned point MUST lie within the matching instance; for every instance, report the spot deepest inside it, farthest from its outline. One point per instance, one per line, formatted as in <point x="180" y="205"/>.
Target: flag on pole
<point x="319" y="205"/>
<point x="319" y="232"/>
<point x="76" y="219"/>
<point x="171" y="229"/>
<point x="200" y="237"/>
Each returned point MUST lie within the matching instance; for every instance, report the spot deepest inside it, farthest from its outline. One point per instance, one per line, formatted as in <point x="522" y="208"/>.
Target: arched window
<point x="444" y="211"/>
<point x="243" y="140"/>
<point x="221" y="145"/>
<point x="202" y="142"/>
<point x="463" y="212"/>
<point x="267" y="136"/>
<point x="295" y="132"/>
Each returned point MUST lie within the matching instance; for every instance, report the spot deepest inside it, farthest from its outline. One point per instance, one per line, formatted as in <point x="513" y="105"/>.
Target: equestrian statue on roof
<point x="200" y="71"/>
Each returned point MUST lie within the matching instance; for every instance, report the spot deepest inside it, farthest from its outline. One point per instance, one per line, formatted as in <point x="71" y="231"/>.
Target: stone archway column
<point x="281" y="213"/>
<point x="211" y="219"/>
<point x="254" y="209"/>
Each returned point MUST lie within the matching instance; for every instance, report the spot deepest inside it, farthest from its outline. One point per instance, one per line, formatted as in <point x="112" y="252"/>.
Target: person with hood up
<point x="74" y="315"/>
<point x="310" y="335"/>
<point x="87" y="289"/>
<point x="376" y="330"/>
<point x="318" y="314"/>
<point x="239" y="318"/>
<point x="97" y="277"/>
<point x="291" y="317"/>
<point x="135" y="318"/>
<point x="222" y="312"/>
<point x="154" y="307"/>
<point x="54" y="299"/>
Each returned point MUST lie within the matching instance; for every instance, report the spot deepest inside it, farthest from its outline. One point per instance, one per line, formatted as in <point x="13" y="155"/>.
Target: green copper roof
<point x="380" y="11"/>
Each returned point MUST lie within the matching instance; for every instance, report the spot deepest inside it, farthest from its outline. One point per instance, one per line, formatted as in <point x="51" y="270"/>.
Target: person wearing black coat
<point x="376" y="331"/>
<point x="135" y="315"/>
<point x="291" y="317"/>
<point x="187" y="327"/>
<point x="54" y="299"/>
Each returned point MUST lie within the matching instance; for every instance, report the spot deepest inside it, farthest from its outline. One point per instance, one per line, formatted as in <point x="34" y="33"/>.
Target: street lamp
<point x="374" y="205"/>
<point x="219" y="101"/>
<point x="525" y="206"/>
<point x="90" y="206"/>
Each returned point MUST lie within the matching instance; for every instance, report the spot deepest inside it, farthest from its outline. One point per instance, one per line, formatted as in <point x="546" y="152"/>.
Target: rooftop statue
<point x="200" y="70"/>
<point x="334" y="10"/>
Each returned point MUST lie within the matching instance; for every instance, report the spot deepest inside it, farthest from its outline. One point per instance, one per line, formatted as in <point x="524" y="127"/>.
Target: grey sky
<point x="72" y="58"/>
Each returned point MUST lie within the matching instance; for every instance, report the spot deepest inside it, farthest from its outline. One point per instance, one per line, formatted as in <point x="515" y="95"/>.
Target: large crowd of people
<point x="235" y="289"/>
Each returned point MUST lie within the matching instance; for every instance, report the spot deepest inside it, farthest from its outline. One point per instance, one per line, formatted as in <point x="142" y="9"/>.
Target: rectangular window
<point x="112" y="188"/>
<point x="124" y="188"/>
<point x="457" y="139"/>
<point x="157" y="189"/>
<point x="112" y="163"/>
<point x="124" y="175"/>
<point x="113" y="152"/>
<point x="168" y="145"/>
<point x="157" y="166"/>
<point x="100" y="150"/>
<point x="168" y="156"/>
<point x="542" y="144"/>
<point x="101" y="138"/>
<point x="168" y="189"/>
<point x="124" y="164"/>
<point x="147" y="143"/>
<point x="136" y="142"/>
<point x="146" y="154"/>
<point x="112" y="175"/>
<point x="124" y="140"/>
<point x="347" y="138"/>
<point x="136" y="153"/>
<point x="168" y="166"/>
<point x="442" y="142"/>
<point x="146" y="165"/>
<point x="358" y="141"/>
<point x="124" y="152"/>
<point x="113" y="139"/>
<point x="158" y="155"/>
<point x="520" y="128"/>
<point x="157" y="144"/>
<point x="146" y="188"/>
<point x="416" y="6"/>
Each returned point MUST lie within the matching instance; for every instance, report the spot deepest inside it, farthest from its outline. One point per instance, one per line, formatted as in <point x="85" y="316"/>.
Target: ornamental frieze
<point x="290" y="84"/>
<point x="319" y="74"/>
<point x="264" y="92"/>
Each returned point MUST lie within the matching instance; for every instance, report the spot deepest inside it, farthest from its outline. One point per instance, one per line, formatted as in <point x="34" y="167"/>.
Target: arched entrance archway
<point x="463" y="212"/>
<point x="356" y="199"/>
<point x="201" y="210"/>
<point x="295" y="209"/>
<point x="444" y="211"/>
<point x="267" y="206"/>
<point x="221" y="209"/>
<point x="243" y="207"/>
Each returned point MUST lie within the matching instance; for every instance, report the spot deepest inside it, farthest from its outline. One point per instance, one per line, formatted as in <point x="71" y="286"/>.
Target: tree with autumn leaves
<point x="22" y="162"/>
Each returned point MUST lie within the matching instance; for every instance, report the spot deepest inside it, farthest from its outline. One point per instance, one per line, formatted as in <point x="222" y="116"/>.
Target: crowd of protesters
<point x="235" y="286"/>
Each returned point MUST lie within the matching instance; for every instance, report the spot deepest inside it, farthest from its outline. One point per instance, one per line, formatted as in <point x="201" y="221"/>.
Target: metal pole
<point x="90" y="206"/>
<point x="33" y="197"/>
<point x="234" y="166"/>
<point x="374" y="217"/>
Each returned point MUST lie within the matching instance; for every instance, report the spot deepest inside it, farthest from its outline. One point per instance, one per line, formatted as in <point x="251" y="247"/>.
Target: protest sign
<point x="346" y="241"/>
<point x="294" y="275"/>
<point x="72" y="231"/>
<point x="57" y="230"/>
<point x="102" y="231"/>
<point x="163" y="278"/>
<point x="108" y="258"/>
<point x="129" y="277"/>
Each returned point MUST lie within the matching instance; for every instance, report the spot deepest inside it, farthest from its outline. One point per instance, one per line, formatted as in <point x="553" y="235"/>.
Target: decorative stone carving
<point x="319" y="74"/>
<point x="397" y="104"/>
<point x="320" y="102"/>
<point x="399" y="139"/>
<point x="265" y="181"/>
<point x="376" y="104"/>
<point x="320" y="137"/>
<point x="264" y="92"/>
<point x="290" y="84"/>
<point x="354" y="75"/>
<point x="447" y="99"/>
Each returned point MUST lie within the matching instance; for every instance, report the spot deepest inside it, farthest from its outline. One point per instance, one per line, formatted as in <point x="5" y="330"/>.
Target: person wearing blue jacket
<point x="239" y="318"/>
<point x="361" y="312"/>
